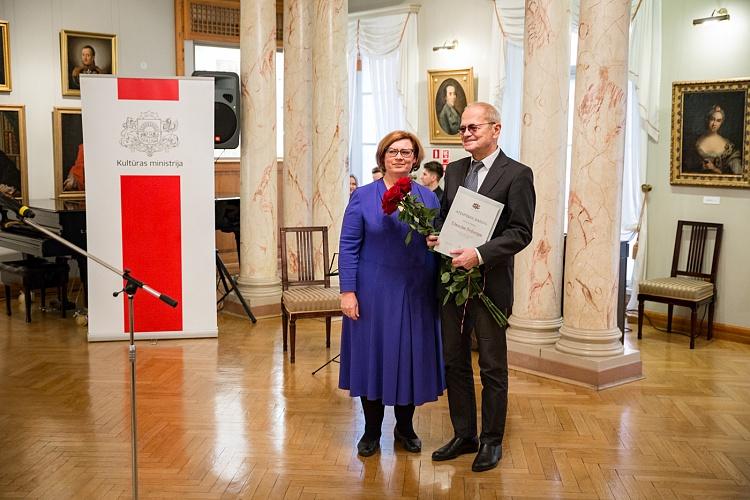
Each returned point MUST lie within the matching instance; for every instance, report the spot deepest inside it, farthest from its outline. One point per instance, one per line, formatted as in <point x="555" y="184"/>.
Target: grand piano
<point x="64" y="217"/>
<point x="68" y="219"/>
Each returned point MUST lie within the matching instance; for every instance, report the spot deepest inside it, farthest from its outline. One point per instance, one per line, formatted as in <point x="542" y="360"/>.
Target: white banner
<point x="148" y="150"/>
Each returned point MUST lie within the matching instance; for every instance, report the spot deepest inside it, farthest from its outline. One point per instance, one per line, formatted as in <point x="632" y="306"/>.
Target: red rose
<point x="392" y="198"/>
<point x="404" y="185"/>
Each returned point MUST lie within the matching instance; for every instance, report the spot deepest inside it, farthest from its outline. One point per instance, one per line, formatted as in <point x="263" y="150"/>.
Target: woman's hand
<point x="350" y="305"/>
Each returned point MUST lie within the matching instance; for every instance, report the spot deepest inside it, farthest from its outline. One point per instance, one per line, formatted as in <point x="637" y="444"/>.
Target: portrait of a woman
<point x="716" y="153"/>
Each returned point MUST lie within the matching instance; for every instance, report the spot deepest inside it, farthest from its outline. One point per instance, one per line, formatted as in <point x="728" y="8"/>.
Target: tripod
<point x="225" y="277"/>
<point x="132" y="285"/>
<point x="331" y="272"/>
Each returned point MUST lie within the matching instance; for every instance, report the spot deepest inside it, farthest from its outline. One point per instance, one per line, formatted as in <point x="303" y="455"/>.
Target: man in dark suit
<point x="489" y="172"/>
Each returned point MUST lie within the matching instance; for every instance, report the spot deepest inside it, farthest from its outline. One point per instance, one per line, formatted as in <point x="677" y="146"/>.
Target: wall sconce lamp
<point x="447" y="46"/>
<point x="717" y="15"/>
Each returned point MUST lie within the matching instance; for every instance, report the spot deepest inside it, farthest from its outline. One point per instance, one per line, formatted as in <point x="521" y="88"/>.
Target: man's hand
<point x="350" y="305"/>
<point x="465" y="257"/>
<point x="432" y="240"/>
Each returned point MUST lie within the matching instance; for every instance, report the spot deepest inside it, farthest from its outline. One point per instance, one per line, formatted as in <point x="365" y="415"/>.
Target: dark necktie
<point x="472" y="179"/>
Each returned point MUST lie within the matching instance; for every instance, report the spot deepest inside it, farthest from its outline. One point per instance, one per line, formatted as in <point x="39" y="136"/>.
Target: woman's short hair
<point x="394" y="136"/>
<point x="715" y="109"/>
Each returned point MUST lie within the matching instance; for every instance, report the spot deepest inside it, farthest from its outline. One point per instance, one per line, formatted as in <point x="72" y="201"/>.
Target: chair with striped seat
<point x="306" y="281"/>
<point x="696" y="247"/>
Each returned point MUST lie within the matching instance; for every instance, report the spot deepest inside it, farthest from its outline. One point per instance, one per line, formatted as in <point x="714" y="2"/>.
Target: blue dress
<point x="393" y="352"/>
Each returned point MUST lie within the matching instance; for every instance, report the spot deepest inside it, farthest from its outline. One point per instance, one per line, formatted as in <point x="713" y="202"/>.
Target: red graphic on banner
<point x="152" y="248"/>
<point x="148" y="89"/>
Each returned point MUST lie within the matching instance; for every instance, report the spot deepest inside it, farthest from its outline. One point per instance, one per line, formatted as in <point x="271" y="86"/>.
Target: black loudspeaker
<point x="226" y="108"/>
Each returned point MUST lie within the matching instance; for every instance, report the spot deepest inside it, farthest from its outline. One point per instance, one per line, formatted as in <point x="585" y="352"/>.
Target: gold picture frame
<point x="711" y="133"/>
<point x="82" y="52"/>
<point x="13" y="160"/>
<point x="5" y="80"/>
<point x="68" y="142"/>
<point x="444" y="116"/>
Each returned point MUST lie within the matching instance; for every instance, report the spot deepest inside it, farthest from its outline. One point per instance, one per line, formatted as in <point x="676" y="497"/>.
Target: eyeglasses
<point x="472" y="127"/>
<point x="405" y="153"/>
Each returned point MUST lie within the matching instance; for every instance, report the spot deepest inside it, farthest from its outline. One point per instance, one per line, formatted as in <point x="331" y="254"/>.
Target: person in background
<point x="390" y="334"/>
<point x="492" y="174"/>
<point x="377" y="174"/>
<point x="432" y="172"/>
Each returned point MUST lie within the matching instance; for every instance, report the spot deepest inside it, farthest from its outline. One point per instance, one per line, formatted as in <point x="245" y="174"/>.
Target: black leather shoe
<point x="412" y="445"/>
<point x="367" y="447"/>
<point x="455" y="447"/>
<point x="487" y="458"/>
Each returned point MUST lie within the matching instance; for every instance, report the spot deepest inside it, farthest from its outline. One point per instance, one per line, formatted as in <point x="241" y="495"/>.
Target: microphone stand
<point x="131" y="287"/>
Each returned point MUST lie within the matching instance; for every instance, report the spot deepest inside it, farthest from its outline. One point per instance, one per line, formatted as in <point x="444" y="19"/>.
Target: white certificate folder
<point x="470" y="223"/>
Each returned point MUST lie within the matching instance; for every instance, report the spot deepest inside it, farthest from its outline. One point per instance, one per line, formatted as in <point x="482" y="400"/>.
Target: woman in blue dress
<point x="391" y="351"/>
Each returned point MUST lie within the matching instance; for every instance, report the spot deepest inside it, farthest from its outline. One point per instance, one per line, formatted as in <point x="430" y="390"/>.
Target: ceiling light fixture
<point x="447" y="46"/>
<point x="717" y="15"/>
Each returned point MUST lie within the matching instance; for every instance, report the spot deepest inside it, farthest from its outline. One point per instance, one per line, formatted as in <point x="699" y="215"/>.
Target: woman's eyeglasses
<point x="473" y="127"/>
<point x="405" y="153"/>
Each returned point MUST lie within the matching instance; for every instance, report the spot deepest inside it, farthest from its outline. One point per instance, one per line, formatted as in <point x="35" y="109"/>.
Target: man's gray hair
<point x="490" y="111"/>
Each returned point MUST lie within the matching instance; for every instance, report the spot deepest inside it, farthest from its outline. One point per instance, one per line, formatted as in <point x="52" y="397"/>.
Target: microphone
<point x="15" y="206"/>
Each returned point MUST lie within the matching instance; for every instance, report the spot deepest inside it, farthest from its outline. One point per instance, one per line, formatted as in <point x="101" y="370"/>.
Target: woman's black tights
<point x="374" y="411"/>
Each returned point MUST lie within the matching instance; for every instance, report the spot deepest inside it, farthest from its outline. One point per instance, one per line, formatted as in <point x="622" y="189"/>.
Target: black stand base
<point x="230" y="286"/>
<point x="334" y="359"/>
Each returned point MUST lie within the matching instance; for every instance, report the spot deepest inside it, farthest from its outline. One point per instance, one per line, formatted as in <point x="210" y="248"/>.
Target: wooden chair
<point x="306" y="285"/>
<point x="688" y="284"/>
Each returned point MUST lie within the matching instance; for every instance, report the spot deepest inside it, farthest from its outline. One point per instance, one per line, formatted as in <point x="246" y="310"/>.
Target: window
<point x="364" y="131"/>
<point x="223" y="58"/>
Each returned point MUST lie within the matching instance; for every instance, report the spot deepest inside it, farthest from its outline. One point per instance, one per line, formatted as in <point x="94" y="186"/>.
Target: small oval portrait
<point x="450" y="101"/>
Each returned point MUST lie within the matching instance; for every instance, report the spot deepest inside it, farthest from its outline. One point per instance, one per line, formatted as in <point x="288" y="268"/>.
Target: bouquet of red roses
<point x="460" y="284"/>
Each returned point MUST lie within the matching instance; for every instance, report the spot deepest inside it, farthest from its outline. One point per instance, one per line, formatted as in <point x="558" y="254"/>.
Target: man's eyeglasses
<point x="405" y="153"/>
<point x="472" y="127"/>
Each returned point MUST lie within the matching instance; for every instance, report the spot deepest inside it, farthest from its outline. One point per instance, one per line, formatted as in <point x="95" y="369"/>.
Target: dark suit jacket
<point x="512" y="184"/>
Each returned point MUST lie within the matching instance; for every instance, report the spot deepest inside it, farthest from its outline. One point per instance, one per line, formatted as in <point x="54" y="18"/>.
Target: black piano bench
<point x="31" y="274"/>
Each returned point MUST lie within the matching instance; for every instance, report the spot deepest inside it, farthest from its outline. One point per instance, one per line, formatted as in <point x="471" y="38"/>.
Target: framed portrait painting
<point x="711" y="133"/>
<point x="70" y="181"/>
<point x="5" y="85"/>
<point x="13" y="169"/>
<point x="449" y="91"/>
<point x="85" y="53"/>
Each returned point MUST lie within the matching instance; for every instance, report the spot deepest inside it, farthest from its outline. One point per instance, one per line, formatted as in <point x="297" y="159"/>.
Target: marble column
<point x="536" y="317"/>
<point x="330" y="117"/>
<point x="592" y="247"/>
<point x="259" y="278"/>
<point x="298" y="172"/>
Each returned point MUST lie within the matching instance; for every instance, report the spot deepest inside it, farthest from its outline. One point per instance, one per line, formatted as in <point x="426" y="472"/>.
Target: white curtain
<point x="388" y="40"/>
<point x="510" y="136"/>
<point x="644" y="63"/>
<point x="507" y="27"/>
<point x="643" y="111"/>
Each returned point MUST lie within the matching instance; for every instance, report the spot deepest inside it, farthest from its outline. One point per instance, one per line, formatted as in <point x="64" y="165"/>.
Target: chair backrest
<point x="305" y="257"/>
<point x="696" y="249"/>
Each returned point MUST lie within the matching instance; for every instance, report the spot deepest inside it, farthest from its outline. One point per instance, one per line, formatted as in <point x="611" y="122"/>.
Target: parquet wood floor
<point x="231" y="418"/>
